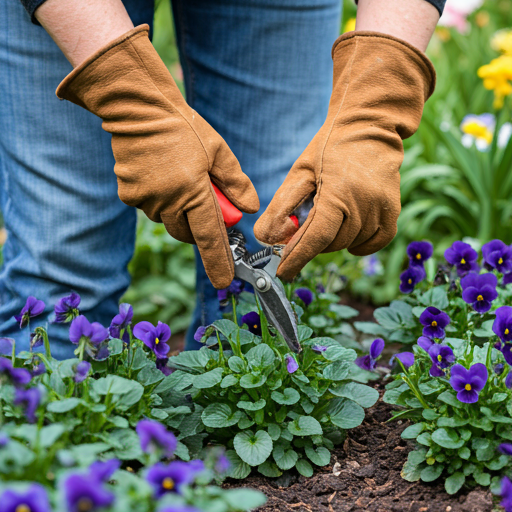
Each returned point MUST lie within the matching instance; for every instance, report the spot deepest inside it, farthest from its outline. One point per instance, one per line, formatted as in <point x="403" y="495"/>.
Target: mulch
<point x="364" y="476"/>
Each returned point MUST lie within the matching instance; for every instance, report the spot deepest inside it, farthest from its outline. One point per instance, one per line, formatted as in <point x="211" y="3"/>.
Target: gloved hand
<point x="352" y="163"/>
<point x="166" y="154"/>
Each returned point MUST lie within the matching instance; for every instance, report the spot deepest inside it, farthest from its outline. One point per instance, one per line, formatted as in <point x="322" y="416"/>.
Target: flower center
<point x="434" y="323"/>
<point x="168" y="483"/>
<point x="479" y="298"/>
<point x="500" y="261"/>
<point x="463" y="261"/>
<point x="506" y="331"/>
<point x="439" y="357"/>
<point x="467" y="387"/>
<point x="23" y="508"/>
<point x="255" y="326"/>
<point x="410" y="281"/>
<point x="157" y="341"/>
<point x="84" y="505"/>
<point x="418" y="256"/>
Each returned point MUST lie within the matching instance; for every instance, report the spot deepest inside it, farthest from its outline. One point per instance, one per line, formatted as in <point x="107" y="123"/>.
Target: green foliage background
<point x="448" y="192"/>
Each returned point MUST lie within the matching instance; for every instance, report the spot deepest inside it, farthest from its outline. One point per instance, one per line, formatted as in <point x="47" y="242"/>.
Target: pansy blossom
<point x="479" y="290"/>
<point x="463" y="257"/>
<point x="468" y="383"/>
<point x="434" y="322"/>
<point x="369" y="361"/>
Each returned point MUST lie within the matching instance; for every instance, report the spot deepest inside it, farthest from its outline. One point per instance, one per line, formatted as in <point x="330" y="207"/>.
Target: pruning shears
<point x="259" y="270"/>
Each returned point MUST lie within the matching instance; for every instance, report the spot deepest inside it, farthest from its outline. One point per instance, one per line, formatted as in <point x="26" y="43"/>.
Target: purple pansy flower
<point x="505" y="448"/>
<point x="498" y="255"/>
<point x="419" y="252"/>
<point x="507" y="279"/>
<point x="291" y="364"/>
<point x="179" y="508"/>
<point x="103" y="470"/>
<point x="442" y="357"/>
<point x="172" y="477"/>
<point x="479" y="290"/>
<point x="153" y="337"/>
<point x="406" y="358"/>
<point x="222" y="465"/>
<point x="369" y="361"/>
<point x="410" y="278"/>
<point x="4" y="439"/>
<point x="319" y="348"/>
<point x="34" y="499"/>
<point x="253" y="322"/>
<point x="502" y="325"/>
<point x="121" y="321"/>
<point x="155" y="437"/>
<point x="235" y="288"/>
<point x="371" y="265"/>
<point x="82" y="371"/>
<point x="31" y="309"/>
<point x="506" y="494"/>
<point x="161" y="364"/>
<point x="434" y="321"/>
<point x="499" y="368"/>
<point x="20" y="377"/>
<point x="82" y="330"/>
<point x="425" y="343"/>
<point x="6" y="345"/>
<point x="320" y="288"/>
<point x="468" y="383"/>
<point x="463" y="256"/>
<point x="38" y="368"/>
<point x="85" y="492"/>
<point x="66" y="308"/>
<point x="305" y="295"/>
<point x="508" y="380"/>
<point x="200" y="332"/>
<point x="29" y="399"/>
<point x="506" y="350"/>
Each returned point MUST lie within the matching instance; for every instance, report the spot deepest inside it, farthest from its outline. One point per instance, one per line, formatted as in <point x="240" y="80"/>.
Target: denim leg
<point x="260" y="72"/>
<point x="66" y="227"/>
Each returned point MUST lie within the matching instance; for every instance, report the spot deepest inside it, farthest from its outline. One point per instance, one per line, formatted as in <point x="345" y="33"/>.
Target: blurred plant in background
<point x="456" y="175"/>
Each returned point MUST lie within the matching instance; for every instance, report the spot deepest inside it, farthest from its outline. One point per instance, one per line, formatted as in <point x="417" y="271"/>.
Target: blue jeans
<point x="259" y="71"/>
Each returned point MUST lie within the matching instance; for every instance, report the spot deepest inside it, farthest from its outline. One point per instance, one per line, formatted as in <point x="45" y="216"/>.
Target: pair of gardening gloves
<point x="167" y="155"/>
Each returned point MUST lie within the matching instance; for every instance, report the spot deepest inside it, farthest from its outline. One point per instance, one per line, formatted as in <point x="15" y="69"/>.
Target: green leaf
<point x="464" y="453"/>
<point x="425" y="439"/>
<point x="482" y="478"/>
<point x="363" y="395"/>
<point x="289" y="396"/>
<point x="219" y="415"/>
<point x="254" y="449"/>
<point x="371" y="328"/>
<point x="269" y="469"/>
<point x="413" y="431"/>
<point x="339" y="370"/>
<point x="250" y="498"/>
<point x="431" y="473"/>
<point x="449" y="398"/>
<point x="345" y="413"/>
<point x="140" y="359"/>
<point x="177" y="381"/>
<point x="65" y="405"/>
<point x="115" y="346"/>
<point x="149" y="375"/>
<point x="454" y="482"/>
<point x="416" y="457"/>
<point x="249" y="381"/>
<point x="343" y="312"/>
<point x="48" y="435"/>
<point x="443" y="421"/>
<point x="237" y="467"/>
<point x="274" y="431"/>
<point x="252" y="406"/>
<point x="195" y="360"/>
<point x="304" y="332"/>
<point x="304" y="468"/>
<point x="320" y="456"/>
<point x="430" y="414"/>
<point x="436" y="297"/>
<point x="228" y="381"/>
<point x="447" y="438"/>
<point x="128" y="444"/>
<point x="410" y="472"/>
<point x="261" y="356"/>
<point x="236" y="364"/>
<point x="15" y="456"/>
<point x="305" y="426"/>
<point x="208" y="379"/>
<point x="285" y="457"/>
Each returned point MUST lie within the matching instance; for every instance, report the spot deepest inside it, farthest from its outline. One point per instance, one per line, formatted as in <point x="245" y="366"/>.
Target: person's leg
<point x="260" y="72"/>
<point x="66" y="227"/>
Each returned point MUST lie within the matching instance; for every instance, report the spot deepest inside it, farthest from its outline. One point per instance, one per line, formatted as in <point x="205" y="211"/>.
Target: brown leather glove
<point x="166" y="154"/>
<point x="352" y="164"/>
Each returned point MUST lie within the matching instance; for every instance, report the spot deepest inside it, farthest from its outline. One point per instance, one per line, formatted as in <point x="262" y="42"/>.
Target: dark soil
<point x="364" y="475"/>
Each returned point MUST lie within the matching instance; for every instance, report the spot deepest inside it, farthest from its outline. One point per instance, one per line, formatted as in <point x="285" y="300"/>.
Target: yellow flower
<point x="497" y="76"/>
<point x="482" y="19"/>
<point x="350" y="25"/>
<point x="502" y="41"/>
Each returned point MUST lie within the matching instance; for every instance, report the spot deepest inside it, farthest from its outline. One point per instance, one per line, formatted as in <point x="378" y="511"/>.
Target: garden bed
<point x="364" y="475"/>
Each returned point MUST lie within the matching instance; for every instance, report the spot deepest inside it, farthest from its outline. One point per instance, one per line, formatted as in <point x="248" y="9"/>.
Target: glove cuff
<point x="65" y="89"/>
<point x="382" y="40"/>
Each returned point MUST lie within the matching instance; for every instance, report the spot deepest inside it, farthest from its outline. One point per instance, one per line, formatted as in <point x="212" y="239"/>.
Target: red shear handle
<point x="231" y="213"/>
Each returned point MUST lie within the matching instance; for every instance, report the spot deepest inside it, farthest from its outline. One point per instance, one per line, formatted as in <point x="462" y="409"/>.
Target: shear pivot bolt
<point x="261" y="283"/>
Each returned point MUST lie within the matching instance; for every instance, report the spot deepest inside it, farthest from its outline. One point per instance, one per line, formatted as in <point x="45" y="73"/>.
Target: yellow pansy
<point x="497" y="76"/>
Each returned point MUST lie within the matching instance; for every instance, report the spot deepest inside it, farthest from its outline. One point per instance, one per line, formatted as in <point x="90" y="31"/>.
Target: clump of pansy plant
<point x="418" y="253"/>
<point x="88" y="421"/>
<point x="273" y="410"/>
<point x="457" y="394"/>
